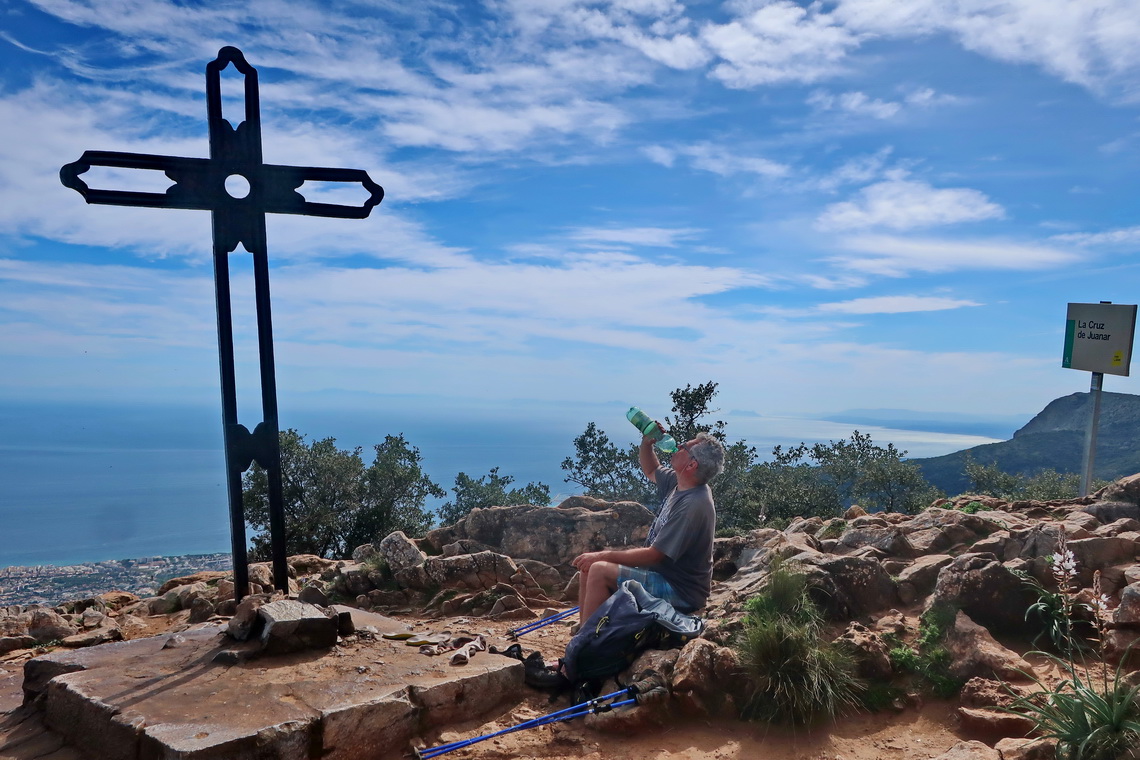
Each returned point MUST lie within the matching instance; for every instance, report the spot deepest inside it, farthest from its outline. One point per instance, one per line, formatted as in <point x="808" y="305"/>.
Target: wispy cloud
<point x="1121" y="236"/>
<point x="894" y="305"/>
<point x="893" y="256"/>
<point x="660" y="237"/>
<point x="717" y="159"/>
<point x="908" y="204"/>
<point x="854" y="103"/>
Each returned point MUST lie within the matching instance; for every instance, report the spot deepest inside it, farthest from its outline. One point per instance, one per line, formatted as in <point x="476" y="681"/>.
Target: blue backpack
<point x="629" y="622"/>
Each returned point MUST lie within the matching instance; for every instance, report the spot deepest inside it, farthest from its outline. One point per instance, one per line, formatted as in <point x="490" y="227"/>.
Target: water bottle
<point x="647" y="426"/>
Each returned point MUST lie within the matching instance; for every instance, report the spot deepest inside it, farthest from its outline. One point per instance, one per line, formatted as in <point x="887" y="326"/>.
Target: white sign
<point x="1098" y="337"/>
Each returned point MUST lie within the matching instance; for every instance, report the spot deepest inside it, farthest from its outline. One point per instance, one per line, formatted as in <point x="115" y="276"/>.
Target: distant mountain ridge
<point x="1054" y="438"/>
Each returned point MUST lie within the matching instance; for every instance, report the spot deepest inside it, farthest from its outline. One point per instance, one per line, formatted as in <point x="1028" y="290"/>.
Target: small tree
<point x="789" y="486"/>
<point x="606" y="471"/>
<point x="332" y="502"/>
<point x="691" y="405"/>
<point x="487" y="491"/>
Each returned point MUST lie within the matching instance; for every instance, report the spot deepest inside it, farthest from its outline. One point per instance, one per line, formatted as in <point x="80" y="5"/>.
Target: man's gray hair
<point x="709" y="453"/>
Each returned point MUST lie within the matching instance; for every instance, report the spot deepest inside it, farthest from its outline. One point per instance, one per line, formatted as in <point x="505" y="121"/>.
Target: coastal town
<point x="54" y="584"/>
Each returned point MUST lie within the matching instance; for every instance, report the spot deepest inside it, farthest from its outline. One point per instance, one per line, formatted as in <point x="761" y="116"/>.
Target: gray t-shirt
<point x="683" y="532"/>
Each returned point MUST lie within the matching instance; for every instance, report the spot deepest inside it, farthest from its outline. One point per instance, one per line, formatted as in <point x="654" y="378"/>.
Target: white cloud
<point x="717" y="159"/>
<point x="901" y="204"/>
<point x="778" y="42"/>
<point x="659" y="154"/>
<point x="892" y="256"/>
<point x="857" y="170"/>
<point x="1120" y="236"/>
<point x="1091" y="42"/>
<point x="854" y="103"/>
<point x="894" y="305"/>
<point x="662" y="237"/>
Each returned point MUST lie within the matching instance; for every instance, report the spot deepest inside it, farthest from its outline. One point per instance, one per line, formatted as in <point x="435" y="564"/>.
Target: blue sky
<point x="861" y="204"/>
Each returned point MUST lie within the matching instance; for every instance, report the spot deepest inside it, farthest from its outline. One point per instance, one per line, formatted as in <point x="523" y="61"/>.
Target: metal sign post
<point x="238" y="219"/>
<point x="1098" y="338"/>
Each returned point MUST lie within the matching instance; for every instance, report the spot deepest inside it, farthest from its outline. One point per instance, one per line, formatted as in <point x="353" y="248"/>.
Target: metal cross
<point x="200" y="183"/>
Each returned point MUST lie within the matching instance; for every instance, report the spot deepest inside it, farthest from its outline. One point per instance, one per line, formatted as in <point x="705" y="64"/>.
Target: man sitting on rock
<point x="676" y="562"/>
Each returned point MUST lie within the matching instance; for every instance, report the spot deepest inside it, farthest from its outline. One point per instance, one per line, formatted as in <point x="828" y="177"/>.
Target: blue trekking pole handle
<point x="585" y="708"/>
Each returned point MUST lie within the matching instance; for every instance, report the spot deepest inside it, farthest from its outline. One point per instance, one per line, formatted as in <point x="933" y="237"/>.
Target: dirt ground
<point x="910" y="735"/>
<point x="913" y="734"/>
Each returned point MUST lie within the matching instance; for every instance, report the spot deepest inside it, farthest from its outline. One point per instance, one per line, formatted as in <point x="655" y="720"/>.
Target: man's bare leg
<point x="595" y="587"/>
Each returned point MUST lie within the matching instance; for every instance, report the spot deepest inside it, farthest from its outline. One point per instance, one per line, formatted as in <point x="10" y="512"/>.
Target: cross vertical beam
<point x="201" y="184"/>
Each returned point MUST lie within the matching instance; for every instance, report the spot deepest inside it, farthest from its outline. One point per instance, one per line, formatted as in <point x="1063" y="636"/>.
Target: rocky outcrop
<point x="975" y="653"/>
<point x="554" y="536"/>
<point x="987" y="591"/>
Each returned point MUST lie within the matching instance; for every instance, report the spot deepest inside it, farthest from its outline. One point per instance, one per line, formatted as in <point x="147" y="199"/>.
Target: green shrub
<point x="833" y="529"/>
<point x="796" y="675"/>
<point x="928" y="659"/>
<point x="974" y="507"/>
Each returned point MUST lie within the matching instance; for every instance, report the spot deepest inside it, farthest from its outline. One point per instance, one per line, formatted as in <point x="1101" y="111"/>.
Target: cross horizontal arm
<point x="281" y="183"/>
<point x="199" y="183"/>
<point x="176" y="169"/>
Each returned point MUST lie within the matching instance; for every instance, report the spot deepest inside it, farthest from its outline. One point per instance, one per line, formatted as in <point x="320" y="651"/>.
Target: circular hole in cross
<point x="237" y="186"/>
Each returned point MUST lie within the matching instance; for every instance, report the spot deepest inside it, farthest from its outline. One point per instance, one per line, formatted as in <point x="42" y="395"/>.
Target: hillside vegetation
<point x="1054" y="439"/>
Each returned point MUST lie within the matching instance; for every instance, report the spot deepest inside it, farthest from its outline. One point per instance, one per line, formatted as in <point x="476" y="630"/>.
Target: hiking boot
<point x="539" y="675"/>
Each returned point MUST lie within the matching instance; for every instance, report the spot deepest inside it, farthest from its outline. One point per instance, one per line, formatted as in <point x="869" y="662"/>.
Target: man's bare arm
<point x="644" y="556"/>
<point x="647" y="458"/>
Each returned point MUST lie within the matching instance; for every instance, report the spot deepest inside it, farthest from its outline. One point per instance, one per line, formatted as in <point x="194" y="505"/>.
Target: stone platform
<point x="172" y="696"/>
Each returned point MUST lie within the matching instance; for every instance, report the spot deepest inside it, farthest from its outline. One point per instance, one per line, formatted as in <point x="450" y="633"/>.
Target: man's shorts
<point x="652" y="582"/>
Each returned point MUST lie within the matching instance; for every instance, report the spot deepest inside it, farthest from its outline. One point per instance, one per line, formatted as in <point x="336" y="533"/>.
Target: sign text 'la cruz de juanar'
<point x="1098" y="337"/>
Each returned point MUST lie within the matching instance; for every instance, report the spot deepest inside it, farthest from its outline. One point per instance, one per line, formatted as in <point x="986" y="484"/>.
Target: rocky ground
<point x="874" y="574"/>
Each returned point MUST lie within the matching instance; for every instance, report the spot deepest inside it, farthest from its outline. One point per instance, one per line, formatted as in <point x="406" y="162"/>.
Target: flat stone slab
<point x="167" y="697"/>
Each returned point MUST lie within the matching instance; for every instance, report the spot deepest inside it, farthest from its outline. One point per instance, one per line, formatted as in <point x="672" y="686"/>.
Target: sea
<point x="90" y="483"/>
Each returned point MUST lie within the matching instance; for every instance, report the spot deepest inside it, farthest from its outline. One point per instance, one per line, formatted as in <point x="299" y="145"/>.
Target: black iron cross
<point x="201" y="183"/>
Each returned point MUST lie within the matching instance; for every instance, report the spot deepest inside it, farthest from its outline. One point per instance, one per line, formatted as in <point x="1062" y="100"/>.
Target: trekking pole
<point x="514" y="633"/>
<point x="593" y="706"/>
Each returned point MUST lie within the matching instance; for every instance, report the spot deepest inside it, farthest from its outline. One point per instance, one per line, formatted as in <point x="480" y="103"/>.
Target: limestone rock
<point x="992" y="723"/>
<point x="1027" y="749"/>
<point x="467" y="571"/>
<point x="245" y="622"/>
<point x="400" y="552"/>
<point x="48" y="625"/>
<point x="116" y="600"/>
<point x="1128" y="611"/>
<point x="694" y="683"/>
<point x="549" y="579"/>
<point x="890" y="540"/>
<point x="309" y="564"/>
<point x="556" y="536"/>
<point x="291" y="626"/>
<point x="201" y="610"/>
<point x="109" y="631"/>
<point x="1124" y="490"/>
<point x="12" y="643"/>
<point x="869" y="649"/>
<point x="976" y="653"/>
<point x="970" y="750"/>
<point x="918" y="579"/>
<point x="313" y="595"/>
<point x="363" y="553"/>
<point x="186" y="580"/>
<point x="980" y="586"/>
<point x="862" y="585"/>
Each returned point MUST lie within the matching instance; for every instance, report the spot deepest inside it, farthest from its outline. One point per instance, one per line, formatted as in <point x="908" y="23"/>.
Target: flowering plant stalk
<point x="1089" y="720"/>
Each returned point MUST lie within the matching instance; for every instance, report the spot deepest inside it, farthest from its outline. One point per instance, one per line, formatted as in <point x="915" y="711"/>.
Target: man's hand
<point x="583" y="561"/>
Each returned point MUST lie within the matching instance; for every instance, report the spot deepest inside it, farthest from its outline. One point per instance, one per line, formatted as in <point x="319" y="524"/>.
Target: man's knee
<point x="603" y="572"/>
